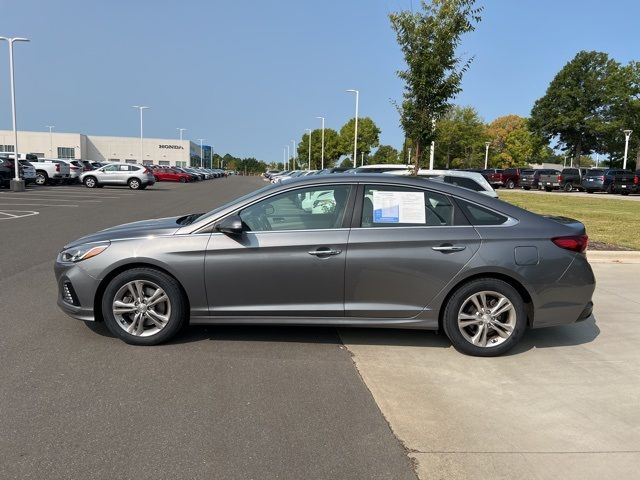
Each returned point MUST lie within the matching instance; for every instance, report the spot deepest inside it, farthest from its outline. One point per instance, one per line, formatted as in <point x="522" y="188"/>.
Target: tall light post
<point x="486" y="154"/>
<point x="627" y="134"/>
<point x="309" y="165"/>
<point x="17" y="185"/>
<point x="432" y="151"/>
<point x="295" y="154"/>
<point x="141" y="108"/>
<point x="284" y="158"/>
<point x="322" y="146"/>
<point x="288" y="156"/>
<point x="201" y="152"/>
<point x="50" y="127"/>
<point x="355" y="136"/>
<point x="181" y="130"/>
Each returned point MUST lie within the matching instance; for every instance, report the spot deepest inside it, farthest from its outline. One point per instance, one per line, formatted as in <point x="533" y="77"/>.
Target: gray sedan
<point x="372" y="251"/>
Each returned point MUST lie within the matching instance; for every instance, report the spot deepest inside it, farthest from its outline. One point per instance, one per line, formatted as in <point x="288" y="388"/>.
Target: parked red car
<point x="170" y="175"/>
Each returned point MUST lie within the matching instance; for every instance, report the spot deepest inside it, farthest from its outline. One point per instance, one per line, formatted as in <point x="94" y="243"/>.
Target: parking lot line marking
<point x="62" y="199"/>
<point x="11" y="216"/>
<point x="37" y="205"/>
<point x="57" y="194"/>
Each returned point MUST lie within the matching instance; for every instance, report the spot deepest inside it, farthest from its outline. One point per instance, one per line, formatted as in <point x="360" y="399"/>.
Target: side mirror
<point x="231" y="225"/>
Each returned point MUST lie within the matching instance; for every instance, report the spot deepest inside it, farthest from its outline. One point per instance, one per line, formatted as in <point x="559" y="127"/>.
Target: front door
<point x="410" y="244"/>
<point x="289" y="261"/>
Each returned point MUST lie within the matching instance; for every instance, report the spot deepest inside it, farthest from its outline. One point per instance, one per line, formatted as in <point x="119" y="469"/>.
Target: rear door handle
<point x="324" y="252"/>
<point x="449" y="248"/>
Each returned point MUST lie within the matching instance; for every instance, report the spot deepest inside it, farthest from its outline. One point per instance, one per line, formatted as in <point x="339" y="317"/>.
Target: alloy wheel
<point x="487" y="319"/>
<point x="141" y="308"/>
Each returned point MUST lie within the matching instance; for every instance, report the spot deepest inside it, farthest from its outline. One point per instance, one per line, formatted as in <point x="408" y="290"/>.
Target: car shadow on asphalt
<point x="565" y="335"/>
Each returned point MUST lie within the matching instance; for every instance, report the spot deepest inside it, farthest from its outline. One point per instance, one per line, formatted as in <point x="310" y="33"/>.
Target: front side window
<point x="391" y="206"/>
<point x="313" y="208"/>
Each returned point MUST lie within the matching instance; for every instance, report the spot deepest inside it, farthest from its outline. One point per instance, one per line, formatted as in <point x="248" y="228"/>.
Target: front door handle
<point x="449" y="248"/>
<point x="324" y="252"/>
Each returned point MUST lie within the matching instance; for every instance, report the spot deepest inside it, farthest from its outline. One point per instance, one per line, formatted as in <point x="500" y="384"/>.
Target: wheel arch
<point x="522" y="290"/>
<point x="97" y="299"/>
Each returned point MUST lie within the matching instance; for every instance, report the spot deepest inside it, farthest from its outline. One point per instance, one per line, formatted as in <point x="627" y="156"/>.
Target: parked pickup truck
<point x="493" y="176"/>
<point x="571" y="178"/>
<point x="624" y="182"/>
<point x="550" y="180"/>
<point x="511" y="177"/>
<point x="531" y="178"/>
<point x="50" y="171"/>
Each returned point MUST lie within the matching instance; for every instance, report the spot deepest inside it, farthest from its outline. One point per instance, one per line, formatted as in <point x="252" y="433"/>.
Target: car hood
<point x="144" y="228"/>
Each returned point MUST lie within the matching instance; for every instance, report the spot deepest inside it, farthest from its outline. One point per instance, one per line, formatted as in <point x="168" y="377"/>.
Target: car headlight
<point x="82" y="252"/>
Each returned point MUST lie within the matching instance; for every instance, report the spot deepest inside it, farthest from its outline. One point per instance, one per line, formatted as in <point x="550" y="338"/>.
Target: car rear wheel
<point x="143" y="306"/>
<point x="568" y="187"/>
<point x="183" y="180"/>
<point x="527" y="188"/>
<point x="511" y="184"/>
<point x="485" y="318"/>
<point x="90" y="182"/>
<point x="134" y="184"/>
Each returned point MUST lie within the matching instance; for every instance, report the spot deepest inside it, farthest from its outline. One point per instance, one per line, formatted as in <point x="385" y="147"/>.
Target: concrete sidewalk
<point x="564" y="404"/>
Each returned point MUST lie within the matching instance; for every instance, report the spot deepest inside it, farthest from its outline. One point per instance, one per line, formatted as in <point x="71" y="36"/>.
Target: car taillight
<point x="146" y="170"/>
<point x="57" y="167"/>
<point x="559" y="178"/>
<point x="601" y="178"/>
<point x="575" y="243"/>
<point x="636" y="180"/>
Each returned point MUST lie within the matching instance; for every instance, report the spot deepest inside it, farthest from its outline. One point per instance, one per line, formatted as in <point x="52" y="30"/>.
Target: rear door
<point x="406" y="244"/>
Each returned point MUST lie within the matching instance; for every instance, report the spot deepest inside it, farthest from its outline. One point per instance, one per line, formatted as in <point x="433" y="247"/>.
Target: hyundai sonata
<point x="353" y="250"/>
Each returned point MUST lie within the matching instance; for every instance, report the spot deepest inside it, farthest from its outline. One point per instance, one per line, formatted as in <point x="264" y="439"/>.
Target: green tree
<point x="578" y="103"/>
<point x="460" y="137"/>
<point x="428" y="40"/>
<point x="513" y="144"/>
<point x="368" y="137"/>
<point x="332" y="148"/>
<point x="385" y="154"/>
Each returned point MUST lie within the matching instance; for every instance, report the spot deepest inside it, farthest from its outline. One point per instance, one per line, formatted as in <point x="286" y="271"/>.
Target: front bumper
<point x="83" y="287"/>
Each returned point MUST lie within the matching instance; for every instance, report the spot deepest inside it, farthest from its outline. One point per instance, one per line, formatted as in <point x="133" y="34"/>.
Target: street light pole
<point x="288" y="157"/>
<point x="309" y="165"/>
<point x="295" y="154"/>
<point x="433" y="145"/>
<point x="322" y="147"/>
<point x="141" y="108"/>
<point x="17" y="185"/>
<point x="50" y="127"/>
<point x="355" y="137"/>
<point x="284" y="158"/>
<point x="486" y="154"/>
<point x="627" y="134"/>
<point x="181" y="130"/>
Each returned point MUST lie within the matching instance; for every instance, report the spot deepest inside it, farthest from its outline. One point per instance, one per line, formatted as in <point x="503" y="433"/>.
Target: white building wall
<point x="159" y="151"/>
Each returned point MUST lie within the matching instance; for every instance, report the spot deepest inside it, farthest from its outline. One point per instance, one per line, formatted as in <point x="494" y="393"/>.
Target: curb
<point x="611" y="256"/>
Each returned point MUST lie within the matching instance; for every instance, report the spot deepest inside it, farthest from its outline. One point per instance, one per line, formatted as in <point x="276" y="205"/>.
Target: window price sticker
<point x="398" y="207"/>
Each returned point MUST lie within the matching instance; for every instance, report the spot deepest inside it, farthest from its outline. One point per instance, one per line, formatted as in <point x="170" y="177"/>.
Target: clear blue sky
<point x="249" y="76"/>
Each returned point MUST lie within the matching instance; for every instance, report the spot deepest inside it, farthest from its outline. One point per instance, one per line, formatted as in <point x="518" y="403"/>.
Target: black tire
<point x="183" y="180"/>
<point x="134" y="184"/>
<point x="610" y="189"/>
<point x="511" y="184"/>
<point x="624" y="192"/>
<point x="568" y="187"/>
<point x="142" y="187"/>
<point x="547" y="189"/>
<point x="41" y="177"/>
<point x="90" y="181"/>
<point x="526" y="188"/>
<point x="456" y="302"/>
<point x="589" y="191"/>
<point x="177" y="317"/>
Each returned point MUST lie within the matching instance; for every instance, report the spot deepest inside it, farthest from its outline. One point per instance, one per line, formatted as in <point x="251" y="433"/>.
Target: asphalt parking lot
<point x="225" y="403"/>
<point x="288" y="402"/>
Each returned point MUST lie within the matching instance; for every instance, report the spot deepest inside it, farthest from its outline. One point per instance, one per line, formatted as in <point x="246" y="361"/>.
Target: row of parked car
<point x="44" y="171"/>
<point x="588" y="180"/>
<point x="462" y="178"/>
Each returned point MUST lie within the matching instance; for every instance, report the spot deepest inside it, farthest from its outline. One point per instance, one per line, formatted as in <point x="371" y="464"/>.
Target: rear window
<point x="478" y="215"/>
<point x="464" y="182"/>
<point x="527" y="172"/>
<point x="594" y="173"/>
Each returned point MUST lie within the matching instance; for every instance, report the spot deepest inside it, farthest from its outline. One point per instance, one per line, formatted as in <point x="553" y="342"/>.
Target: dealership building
<point x="154" y="151"/>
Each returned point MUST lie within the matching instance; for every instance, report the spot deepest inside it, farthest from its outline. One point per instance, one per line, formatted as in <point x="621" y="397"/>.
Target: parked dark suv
<point x="601" y="180"/>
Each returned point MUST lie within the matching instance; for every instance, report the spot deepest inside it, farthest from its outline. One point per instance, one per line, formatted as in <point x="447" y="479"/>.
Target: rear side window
<point x="478" y="215"/>
<point x="464" y="182"/>
<point x="510" y="171"/>
<point x="391" y="206"/>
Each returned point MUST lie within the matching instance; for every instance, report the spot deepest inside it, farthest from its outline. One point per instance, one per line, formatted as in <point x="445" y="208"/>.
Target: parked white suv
<point x="137" y="177"/>
<point x="471" y="180"/>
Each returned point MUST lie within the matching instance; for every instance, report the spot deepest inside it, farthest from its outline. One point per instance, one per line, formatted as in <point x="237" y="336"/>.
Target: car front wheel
<point x="143" y="306"/>
<point x="485" y="318"/>
<point x="511" y="184"/>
